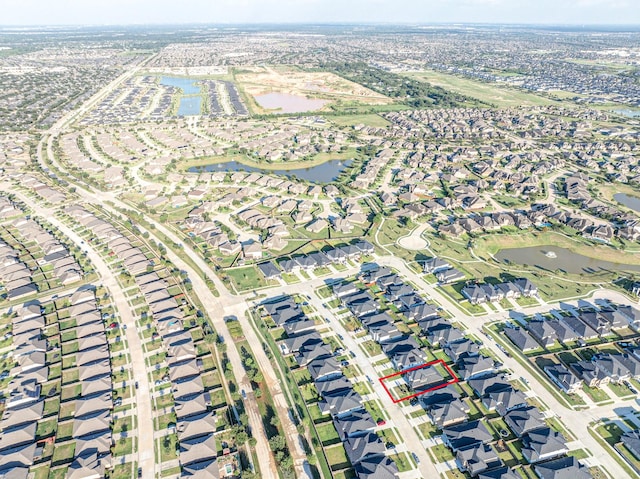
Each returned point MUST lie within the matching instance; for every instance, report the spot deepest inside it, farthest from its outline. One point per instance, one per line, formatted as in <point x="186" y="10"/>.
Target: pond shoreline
<point x="325" y="172"/>
<point x="554" y="258"/>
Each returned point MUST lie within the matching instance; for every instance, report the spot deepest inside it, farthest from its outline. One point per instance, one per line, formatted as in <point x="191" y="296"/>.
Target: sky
<point x="124" y="12"/>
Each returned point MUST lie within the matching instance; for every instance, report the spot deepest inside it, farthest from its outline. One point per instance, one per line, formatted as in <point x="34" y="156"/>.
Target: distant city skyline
<point x="124" y="12"/>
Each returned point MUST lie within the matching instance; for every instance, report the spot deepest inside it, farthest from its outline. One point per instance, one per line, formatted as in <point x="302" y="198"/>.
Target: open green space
<point x="369" y="119"/>
<point x="486" y="92"/>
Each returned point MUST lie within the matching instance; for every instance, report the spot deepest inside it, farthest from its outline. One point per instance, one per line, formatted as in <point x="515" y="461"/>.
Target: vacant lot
<point x="322" y="85"/>
<point x="500" y="96"/>
<point x="369" y="119"/>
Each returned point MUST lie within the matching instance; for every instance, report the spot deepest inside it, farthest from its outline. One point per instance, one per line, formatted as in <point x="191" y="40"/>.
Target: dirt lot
<point x="321" y="85"/>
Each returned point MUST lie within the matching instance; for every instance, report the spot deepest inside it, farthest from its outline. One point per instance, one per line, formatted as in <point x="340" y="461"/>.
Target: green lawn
<point x="402" y="461"/>
<point x="388" y="435"/>
<point x="290" y="278"/>
<point x="441" y="453"/>
<point x="619" y="390"/>
<point x="579" y="453"/>
<point x="316" y="414"/>
<point x="121" y="471"/>
<point x="629" y="455"/>
<point x="327" y="434"/>
<point x="58" y="473"/>
<point x="168" y="446"/>
<point x="362" y="388"/>
<point x="46" y="427"/>
<point x="41" y="472"/>
<point x="337" y="457"/>
<point x="374" y="409"/>
<point x="610" y="432"/>
<point x="344" y="474"/>
<point x="123" y="446"/>
<point x="63" y="452"/>
<point x="596" y="394"/>
<point x="247" y="278"/>
<point x="490" y="93"/>
<point x="428" y="430"/>
<point x="371" y="347"/>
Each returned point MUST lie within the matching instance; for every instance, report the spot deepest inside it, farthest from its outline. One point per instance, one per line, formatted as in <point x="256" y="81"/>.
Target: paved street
<point x="228" y="304"/>
<point x="145" y="427"/>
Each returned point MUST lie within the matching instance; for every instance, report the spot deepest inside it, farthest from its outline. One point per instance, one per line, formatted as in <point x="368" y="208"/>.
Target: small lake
<point x="187" y="85"/>
<point x="628" y="113"/>
<point x="286" y="103"/>
<point x="565" y="260"/>
<point x="324" y="173"/>
<point x="189" y="105"/>
<point x="629" y="201"/>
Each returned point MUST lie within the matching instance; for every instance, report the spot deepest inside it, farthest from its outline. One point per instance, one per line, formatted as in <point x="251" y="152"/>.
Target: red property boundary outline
<point x="454" y="380"/>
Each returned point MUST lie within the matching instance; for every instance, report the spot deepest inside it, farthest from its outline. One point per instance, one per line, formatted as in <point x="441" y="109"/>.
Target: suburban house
<point x="563" y="378"/>
<point x="477" y="458"/>
<point x="543" y="444"/>
<point x="461" y="436"/>
<point x="563" y="467"/>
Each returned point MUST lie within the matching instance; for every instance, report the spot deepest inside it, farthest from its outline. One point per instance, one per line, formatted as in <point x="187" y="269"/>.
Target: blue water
<point x="323" y="173"/>
<point x="628" y="113"/>
<point x="189" y="105"/>
<point x="629" y="201"/>
<point x="187" y="85"/>
<point x="564" y="260"/>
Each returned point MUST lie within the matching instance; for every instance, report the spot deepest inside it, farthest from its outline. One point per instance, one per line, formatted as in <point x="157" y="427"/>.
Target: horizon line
<point x="332" y="23"/>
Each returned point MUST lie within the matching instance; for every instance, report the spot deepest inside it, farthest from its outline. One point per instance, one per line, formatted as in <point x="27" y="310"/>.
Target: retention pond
<point x="553" y="258"/>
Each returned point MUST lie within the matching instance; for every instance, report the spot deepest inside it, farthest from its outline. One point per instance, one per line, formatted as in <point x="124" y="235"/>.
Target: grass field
<point x="369" y="119"/>
<point x="608" y="190"/>
<point x="490" y="93"/>
<point x="248" y="278"/>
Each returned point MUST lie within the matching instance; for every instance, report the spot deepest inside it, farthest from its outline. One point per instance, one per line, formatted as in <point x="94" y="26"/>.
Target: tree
<point x="241" y="438"/>
<point x="278" y="443"/>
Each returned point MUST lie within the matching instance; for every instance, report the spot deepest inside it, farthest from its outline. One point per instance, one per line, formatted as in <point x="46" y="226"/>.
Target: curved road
<point x="214" y="308"/>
